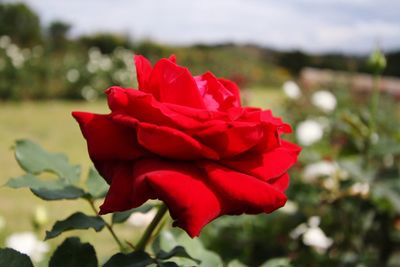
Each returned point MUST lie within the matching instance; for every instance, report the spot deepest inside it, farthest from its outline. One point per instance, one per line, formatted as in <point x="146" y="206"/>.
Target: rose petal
<point x="281" y="183"/>
<point x="267" y="165"/>
<point x="119" y="195"/>
<point x="240" y="193"/>
<point x="107" y="140"/>
<point x="172" y="143"/>
<point x="233" y="88"/>
<point x="214" y="93"/>
<point x="171" y="83"/>
<point x="143" y="71"/>
<point x="191" y="203"/>
<point x="231" y="138"/>
<point x="144" y="107"/>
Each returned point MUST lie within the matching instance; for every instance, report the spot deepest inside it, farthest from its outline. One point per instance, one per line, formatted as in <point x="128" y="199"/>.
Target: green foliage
<point x="65" y="192"/>
<point x="168" y="241"/>
<point x="76" y="221"/>
<point x="12" y="258"/>
<point x="96" y="185"/>
<point x="121" y="217"/>
<point x="134" y="259"/>
<point x="33" y="159"/>
<point x="19" y="22"/>
<point x="72" y="253"/>
<point x="177" y="251"/>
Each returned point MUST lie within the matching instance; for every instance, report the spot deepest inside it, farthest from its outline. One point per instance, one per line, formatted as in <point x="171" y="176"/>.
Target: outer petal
<point x="281" y="183"/>
<point x="174" y="84"/>
<point x="181" y="186"/>
<point x="267" y="165"/>
<point x="240" y="193"/>
<point x="108" y="140"/>
<point x="143" y="71"/>
<point x="119" y="196"/>
<point x="231" y="138"/>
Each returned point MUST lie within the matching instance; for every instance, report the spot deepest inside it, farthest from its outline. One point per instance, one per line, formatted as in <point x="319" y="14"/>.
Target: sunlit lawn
<point x="50" y="124"/>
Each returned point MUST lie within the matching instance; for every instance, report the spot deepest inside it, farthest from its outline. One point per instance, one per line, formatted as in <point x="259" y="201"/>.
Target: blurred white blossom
<point x="89" y="94"/>
<point x="312" y="235"/>
<point x="5" y="41"/>
<point x="308" y="132"/>
<point x="323" y="168"/>
<point x="73" y="75"/>
<point x="324" y="100"/>
<point x="361" y="189"/>
<point x="16" y="56"/>
<point x="27" y="243"/>
<point x="139" y="219"/>
<point x="291" y="89"/>
<point x="290" y="207"/>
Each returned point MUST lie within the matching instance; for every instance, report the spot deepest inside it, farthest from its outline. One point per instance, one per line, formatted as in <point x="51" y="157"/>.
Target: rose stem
<point x="152" y="226"/>
<point x="109" y="227"/>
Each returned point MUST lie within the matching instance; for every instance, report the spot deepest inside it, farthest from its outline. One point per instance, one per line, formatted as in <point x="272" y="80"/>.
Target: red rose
<point x="187" y="141"/>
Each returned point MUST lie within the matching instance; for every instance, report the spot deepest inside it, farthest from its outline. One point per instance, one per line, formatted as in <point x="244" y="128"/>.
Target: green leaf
<point x="134" y="259"/>
<point x="33" y="182"/>
<point x="72" y="253"/>
<point x="67" y="192"/>
<point x="12" y="258"/>
<point x="76" y="221"/>
<point x="34" y="159"/>
<point x="167" y="241"/>
<point x="177" y="251"/>
<point x="120" y="217"/>
<point x="167" y="264"/>
<point x="96" y="184"/>
<point x="277" y="262"/>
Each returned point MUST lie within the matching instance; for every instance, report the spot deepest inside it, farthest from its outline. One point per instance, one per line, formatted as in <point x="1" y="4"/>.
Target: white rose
<point x="324" y="100"/>
<point x="291" y="90"/>
<point x="27" y="243"/>
<point x="308" y="132"/>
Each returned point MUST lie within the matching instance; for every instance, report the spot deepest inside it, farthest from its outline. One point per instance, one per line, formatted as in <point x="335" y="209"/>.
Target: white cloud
<point x="329" y="25"/>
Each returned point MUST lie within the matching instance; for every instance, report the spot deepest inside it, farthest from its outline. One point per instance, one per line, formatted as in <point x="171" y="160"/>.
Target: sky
<point x="317" y="26"/>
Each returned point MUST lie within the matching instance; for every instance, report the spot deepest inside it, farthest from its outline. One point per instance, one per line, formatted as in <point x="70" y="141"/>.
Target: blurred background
<point x="330" y="68"/>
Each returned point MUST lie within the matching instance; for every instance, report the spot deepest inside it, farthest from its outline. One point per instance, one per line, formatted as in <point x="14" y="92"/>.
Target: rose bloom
<point x="187" y="141"/>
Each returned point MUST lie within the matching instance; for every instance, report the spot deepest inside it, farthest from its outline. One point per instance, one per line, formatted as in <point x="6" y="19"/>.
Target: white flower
<point x="290" y="207"/>
<point x="27" y="243"/>
<point x="73" y="75"/>
<point x="308" y="132"/>
<point x="319" y="169"/>
<point x="291" y="89"/>
<point x="5" y="41"/>
<point x="139" y="219"/>
<point x="312" y="235"/>
<point x="361" y="189"/>
<point x="316" y="238"/>
<point x="89" y="94"/>
<point x="324" y="100"/>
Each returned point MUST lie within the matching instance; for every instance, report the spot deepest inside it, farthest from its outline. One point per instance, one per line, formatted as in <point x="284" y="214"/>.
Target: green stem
<point x="149" y="230"/>
<point x="108" y="226"/>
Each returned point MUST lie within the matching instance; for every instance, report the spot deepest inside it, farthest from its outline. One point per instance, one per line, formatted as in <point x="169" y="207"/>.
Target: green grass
<point x="50" y="124"/>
